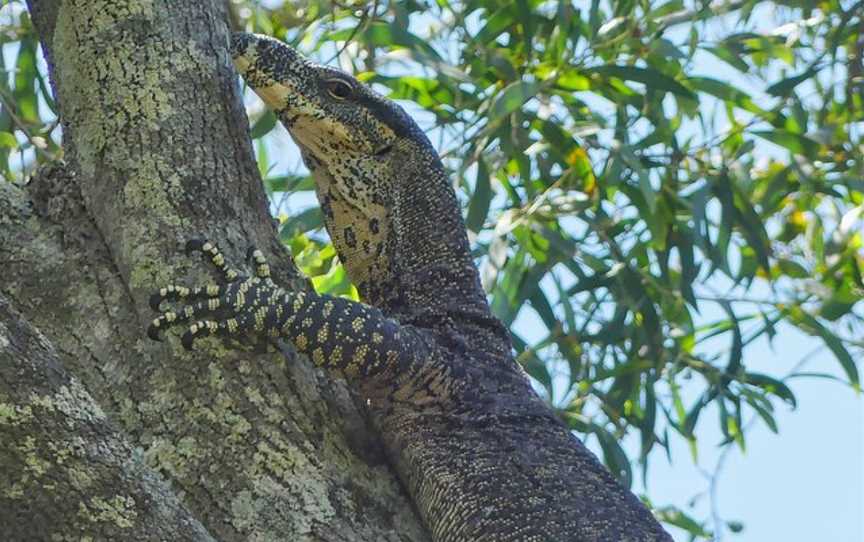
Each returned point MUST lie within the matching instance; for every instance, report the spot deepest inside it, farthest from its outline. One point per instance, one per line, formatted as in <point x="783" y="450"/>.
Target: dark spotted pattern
<point x="482" y="456"/>
<point x="335" y="333"/>
<point x="350" y="240"/>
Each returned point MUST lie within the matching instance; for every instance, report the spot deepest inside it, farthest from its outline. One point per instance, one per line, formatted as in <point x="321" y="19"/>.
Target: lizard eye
<point x="338" y="88"/>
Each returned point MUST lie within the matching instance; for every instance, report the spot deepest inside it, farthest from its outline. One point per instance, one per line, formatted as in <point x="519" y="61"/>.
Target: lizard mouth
<point x="311" y="138"/>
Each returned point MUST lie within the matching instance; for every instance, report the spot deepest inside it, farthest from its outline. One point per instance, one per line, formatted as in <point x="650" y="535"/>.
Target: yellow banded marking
<point x="361" y="353"/>
<point x="318" y="357"/>
<point x="323" y="333"/>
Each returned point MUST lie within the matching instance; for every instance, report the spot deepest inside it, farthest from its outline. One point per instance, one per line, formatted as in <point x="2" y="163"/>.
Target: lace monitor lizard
<point x="483" y="458"/>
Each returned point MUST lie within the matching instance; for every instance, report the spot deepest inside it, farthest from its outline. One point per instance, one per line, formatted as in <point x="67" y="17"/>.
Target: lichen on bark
<point x="66" y="473"/>
<point x="157" y="151"/>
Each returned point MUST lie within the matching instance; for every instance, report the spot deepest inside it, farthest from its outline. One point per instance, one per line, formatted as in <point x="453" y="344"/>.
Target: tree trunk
<point x="253" y="446"/>
<point x="59" y="444"/>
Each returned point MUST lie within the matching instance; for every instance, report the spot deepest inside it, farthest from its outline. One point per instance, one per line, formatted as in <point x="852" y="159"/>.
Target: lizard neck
<point x="428" y="249"/>
<point x="433" y="272"/>
<point x="415" y="264"/>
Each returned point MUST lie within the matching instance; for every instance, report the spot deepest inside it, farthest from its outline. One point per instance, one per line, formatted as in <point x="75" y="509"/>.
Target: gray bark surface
<point x="67" y="473"/>
<point x="255" y="446"/>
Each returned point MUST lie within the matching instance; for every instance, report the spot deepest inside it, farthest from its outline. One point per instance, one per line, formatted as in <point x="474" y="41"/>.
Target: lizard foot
<point x="243" y="305"/>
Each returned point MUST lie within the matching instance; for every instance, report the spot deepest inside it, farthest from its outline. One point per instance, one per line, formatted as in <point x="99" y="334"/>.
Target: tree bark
<point x="253" y="446"/>
<point x="60" y="444"/>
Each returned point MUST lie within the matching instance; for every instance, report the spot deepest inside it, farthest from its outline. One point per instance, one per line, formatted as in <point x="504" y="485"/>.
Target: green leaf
<point x="26" y="103"/>
<point x="727" y="55"/>
<point x="383" y="34"/>
<point x="693" y="417"/>
<point x="689" y="268"/>
<point x="633" y="162"/>
<point x="495" y="25"/>
<point x="675" y="517"/>
<point x="8" y="140"/>
<point x="773" y="386"/>
<point x="727" y="93"/>
<point x="307" y="220"/>
<point x="526" y="21"/>
<point x="811" y="325"/>
<point x="798" y="144"/>
<point x="289" y="183"/>
<point x="667" y="48"/>
<point x="428" y="93"/>
<point x="736" y="210"/>
<point x="651" y="78"/>
<point x="263" y="125"/>
<point x="646" y="425"/>
<point x="511" y="98"/>
<point x="834" y="309"/>
<point x="737" y="348"/>
<point x="793" y="269"/>
<point x="334" y="282"/>
<point x="573" y="80"/>
<point x="786" y="86"/>
<point x="481" y="199"/>
<point x="263" y="157"/>
<point x="613" y="455"/>
<point x="763" y="412"/>
<point x="541" y="306"/>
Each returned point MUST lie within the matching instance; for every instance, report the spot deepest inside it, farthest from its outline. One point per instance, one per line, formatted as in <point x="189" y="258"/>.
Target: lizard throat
<point x="360" y="236"/>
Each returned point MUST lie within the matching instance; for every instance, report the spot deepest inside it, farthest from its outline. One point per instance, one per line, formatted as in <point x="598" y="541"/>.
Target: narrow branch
<point x="714" y="476"/>
<point x="693" y="15"/>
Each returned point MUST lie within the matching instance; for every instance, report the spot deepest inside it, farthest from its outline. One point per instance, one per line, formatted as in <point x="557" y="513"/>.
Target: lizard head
<point x="388" y="205"/>
<point x="353" y="140"/>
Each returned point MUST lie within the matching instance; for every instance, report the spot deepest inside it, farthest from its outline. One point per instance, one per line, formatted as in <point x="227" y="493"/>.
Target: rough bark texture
<point x="66" y="471"/>
<point x="255" y="446"/>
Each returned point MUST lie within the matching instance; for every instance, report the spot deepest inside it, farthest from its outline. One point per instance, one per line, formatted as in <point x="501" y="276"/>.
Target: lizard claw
<point x="153" y="332"/>
<point x="187" y="340"/>
<point x="193" y="245"/>
<point x="256" y="257"/>
<point x="156" y="301"/>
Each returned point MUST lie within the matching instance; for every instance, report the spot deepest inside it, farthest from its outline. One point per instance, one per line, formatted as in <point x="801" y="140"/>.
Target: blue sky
<point x="807" y="483"/>
<point x="804" y="484"/>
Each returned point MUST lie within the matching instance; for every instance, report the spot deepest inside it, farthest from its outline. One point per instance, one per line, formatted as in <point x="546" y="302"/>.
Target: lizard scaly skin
<point x="483" y="458"/>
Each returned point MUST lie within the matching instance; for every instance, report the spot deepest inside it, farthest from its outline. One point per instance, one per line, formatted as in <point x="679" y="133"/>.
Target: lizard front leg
<point x="335" y="333"/>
